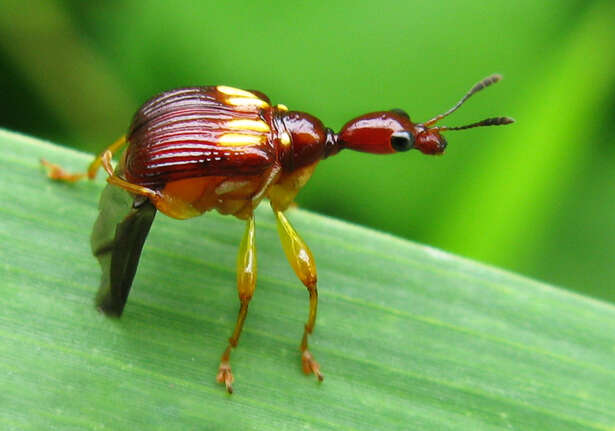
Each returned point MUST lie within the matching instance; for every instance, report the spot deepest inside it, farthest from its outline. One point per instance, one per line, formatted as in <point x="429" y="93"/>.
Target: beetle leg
<point x="105" y="160"/>
<point x="246" y="282"/>
<point x="164" y="202"/>
<point x="56" y="172"/>
<point x="113" y="148"/>
<point x="300" y="258"/>
<point x="273" y="174"/>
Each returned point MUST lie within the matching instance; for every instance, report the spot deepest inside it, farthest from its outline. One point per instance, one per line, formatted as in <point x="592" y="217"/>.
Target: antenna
<point x="496" y="121"/>
<point x="477" y="87"/>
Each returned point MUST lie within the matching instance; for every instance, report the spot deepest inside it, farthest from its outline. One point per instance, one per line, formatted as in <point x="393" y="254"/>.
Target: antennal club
<point x="496" y="121"/>
<point x="477" y="87"/>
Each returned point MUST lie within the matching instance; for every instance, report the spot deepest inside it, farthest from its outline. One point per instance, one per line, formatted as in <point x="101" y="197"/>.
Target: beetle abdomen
<point x="199" y="131"/>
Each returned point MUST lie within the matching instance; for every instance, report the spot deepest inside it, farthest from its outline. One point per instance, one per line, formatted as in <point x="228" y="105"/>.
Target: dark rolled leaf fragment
<point x="117" y="241"/>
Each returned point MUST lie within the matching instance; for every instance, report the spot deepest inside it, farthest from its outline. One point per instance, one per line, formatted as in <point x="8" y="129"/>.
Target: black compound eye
<point x="400" y="112"/>
<point x="402" y="141"/>
<point x="443" y="143"/>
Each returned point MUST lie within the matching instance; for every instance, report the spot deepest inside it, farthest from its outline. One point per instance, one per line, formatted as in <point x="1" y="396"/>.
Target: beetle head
<point x="392" y="131"/>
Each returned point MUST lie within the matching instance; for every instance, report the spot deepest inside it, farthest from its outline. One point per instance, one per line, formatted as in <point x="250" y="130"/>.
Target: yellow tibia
<point x="297" y="252"/>
<point x="246" y="263"/>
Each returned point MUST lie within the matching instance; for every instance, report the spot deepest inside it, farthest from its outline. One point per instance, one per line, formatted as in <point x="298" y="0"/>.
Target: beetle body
<point x="196" y="149"/>
<point x="222" y="148"/>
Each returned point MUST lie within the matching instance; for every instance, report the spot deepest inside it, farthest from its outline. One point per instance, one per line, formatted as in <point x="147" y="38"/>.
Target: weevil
<point x="192" y="150"/>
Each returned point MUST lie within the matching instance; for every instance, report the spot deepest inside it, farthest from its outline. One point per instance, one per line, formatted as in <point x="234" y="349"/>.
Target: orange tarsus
<point x="310" y="365"/>
<point x="225" y="375"/>
<point x="57" y="173"/>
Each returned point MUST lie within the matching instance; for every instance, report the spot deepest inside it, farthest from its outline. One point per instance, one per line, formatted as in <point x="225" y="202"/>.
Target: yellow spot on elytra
<point x="238" y="97"/>
<point x="255" y="125"/>
<point x="238" y="139"/>
<point x="282" y="107"/>
<point x="231" y="91"/>
<point x="285" y="139"/>
<point x="247" y="101"/>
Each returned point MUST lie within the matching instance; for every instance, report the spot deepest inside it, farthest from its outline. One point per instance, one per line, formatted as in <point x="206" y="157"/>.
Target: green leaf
<point x="408" y="337"/>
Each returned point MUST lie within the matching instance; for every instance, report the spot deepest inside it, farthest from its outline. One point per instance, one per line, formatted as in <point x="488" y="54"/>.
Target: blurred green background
<point x="537" y="197"/>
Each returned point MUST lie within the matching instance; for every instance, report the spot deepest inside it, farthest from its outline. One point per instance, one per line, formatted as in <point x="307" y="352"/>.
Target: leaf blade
<point x="409" y="337"/>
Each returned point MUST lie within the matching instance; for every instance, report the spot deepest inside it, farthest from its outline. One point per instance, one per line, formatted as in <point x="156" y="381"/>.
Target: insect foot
<point x="225" y="375"/>
<point x="310" y="365"/>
